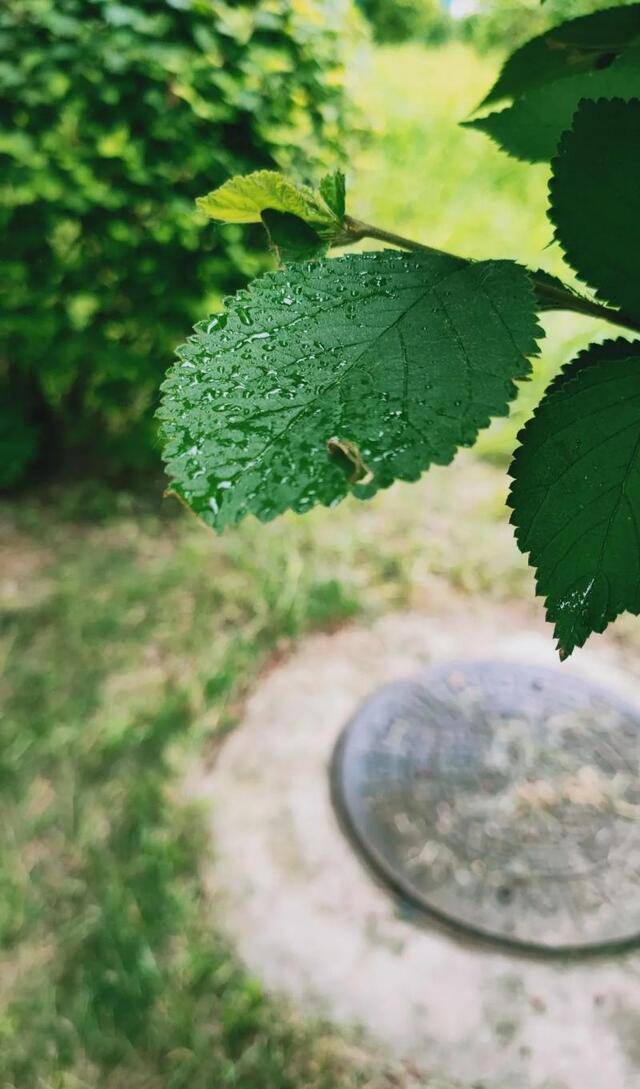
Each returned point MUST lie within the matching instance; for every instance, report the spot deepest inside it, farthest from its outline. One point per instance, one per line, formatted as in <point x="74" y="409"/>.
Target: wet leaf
<point x="403" y="356"/>
<point x="576" y="492"/>
<point x="595" y="199"/>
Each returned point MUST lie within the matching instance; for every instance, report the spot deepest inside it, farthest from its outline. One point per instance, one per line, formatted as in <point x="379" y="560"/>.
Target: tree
<point x="335" y="377"/>
<point x="401" y="20"/>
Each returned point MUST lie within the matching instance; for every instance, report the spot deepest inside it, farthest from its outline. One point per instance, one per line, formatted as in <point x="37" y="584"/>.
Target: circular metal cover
<point x="502" y="798"/>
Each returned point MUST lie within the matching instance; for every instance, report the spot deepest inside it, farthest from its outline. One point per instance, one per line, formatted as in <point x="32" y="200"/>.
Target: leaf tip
<point x="564" y="652"/>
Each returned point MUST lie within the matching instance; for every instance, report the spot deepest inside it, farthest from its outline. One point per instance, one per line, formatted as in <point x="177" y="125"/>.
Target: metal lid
<point x="502" y="798"/>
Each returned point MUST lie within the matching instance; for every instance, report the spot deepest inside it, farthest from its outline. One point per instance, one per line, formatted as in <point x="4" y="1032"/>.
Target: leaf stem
<point x="554" y="298"/>
<point x="356" y="230"/>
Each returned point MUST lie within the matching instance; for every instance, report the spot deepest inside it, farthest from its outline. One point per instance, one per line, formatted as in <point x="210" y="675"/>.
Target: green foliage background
<point x="115" y="117"/>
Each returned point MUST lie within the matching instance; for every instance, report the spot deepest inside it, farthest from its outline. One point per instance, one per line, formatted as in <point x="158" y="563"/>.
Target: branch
<point x="555" y="298"/>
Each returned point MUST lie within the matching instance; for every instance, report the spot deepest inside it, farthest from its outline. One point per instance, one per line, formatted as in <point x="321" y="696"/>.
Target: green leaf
<point x="551" y="291"/>
<point x="333" y="189"/>
<point x="589" y="43"/>
<point x="370" y="367"/>
<point x="531" y="128"/>
<point x="244" y="198"/>
<point x="576" y="492"/>
<point x="291" y="237"/>
<point x="595" y="199"/>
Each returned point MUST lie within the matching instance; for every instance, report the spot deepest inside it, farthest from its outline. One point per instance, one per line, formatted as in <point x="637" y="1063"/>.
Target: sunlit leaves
<point x="243" y="199"/>
<point x="595" y="199"/>
<point x="342" y="376"/>
<point x="576" y="492"/>
<point x="301" y="222"/>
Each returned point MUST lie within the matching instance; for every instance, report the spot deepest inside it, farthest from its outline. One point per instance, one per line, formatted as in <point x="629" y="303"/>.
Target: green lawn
<point x="130" y="636"/>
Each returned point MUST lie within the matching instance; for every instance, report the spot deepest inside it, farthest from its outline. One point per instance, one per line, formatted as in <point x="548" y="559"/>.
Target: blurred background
<point x="130" y="635"/>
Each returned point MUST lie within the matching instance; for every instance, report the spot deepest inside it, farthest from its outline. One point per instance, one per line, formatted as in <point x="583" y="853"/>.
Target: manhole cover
<point x="503" y="798"/>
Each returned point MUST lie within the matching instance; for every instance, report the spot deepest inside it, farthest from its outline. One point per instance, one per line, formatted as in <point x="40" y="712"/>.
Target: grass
<point x="130" y="636"/>
<point x="129" y="639"/>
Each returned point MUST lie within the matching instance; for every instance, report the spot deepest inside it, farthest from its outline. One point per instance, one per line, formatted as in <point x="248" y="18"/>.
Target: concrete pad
<point x="312" y="923"/>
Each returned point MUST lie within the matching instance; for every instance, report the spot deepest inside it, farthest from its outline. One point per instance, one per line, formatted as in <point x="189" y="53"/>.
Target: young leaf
<point x="244" y="198"/>
<point x="588" y="43"/>
<point x="340" y="376"/>
<point x="576" y="492"/>
<point x="595" y="199"/>
<point x="291" y="237"/>
<point x="531" y="128"/>
<point x="333" y="189"/>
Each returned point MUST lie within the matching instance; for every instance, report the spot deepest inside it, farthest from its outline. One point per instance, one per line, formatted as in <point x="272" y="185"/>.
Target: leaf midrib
<point x="223" y="350"/>
<point x="343" y="374"/>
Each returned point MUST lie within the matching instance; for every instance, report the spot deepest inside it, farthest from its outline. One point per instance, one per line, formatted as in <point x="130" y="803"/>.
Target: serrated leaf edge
<point x="560" y="152"/>
<point x="568" y="375"/>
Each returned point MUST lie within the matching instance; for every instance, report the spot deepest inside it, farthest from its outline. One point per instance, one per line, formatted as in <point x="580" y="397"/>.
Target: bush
<point x="116" y="116"/>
